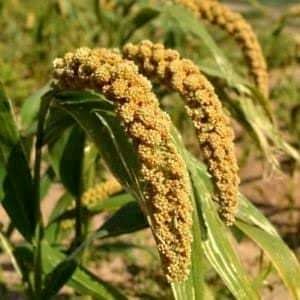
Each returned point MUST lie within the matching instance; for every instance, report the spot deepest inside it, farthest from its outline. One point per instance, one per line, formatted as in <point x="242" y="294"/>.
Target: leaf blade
<point x="258" y="228"/>
<point x="16" y="182"/>
<point x="82" y="281"/>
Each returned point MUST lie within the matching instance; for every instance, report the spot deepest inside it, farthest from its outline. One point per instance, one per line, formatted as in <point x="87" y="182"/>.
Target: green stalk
<point x="36" y="186"/>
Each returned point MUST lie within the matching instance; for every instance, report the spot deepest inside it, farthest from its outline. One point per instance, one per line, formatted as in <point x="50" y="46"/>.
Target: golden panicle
<point x="235" y="25"/>
<point x="101" y="191"/>
<point x="202" y="104"/>
<point x="163" y="171"/>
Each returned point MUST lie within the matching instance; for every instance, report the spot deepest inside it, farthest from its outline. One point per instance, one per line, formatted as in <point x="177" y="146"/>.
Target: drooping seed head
<point x="204" y="107"/>
<point x="162" y="170"/>
<point x="236" y="26"/>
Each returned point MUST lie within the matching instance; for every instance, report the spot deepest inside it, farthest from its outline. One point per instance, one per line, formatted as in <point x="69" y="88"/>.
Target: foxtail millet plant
<point x="204" y="107"/>
<point x="162" y="170"/>
<point x="237" y="27"/>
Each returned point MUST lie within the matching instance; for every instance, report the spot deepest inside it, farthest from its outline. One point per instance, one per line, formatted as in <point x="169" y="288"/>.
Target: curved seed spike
<point x="212" y="125"/>
<point x="163" y="171"/>
<point x="236" y="26"/>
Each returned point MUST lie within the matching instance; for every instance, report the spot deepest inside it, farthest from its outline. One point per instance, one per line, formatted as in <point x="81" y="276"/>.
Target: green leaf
<point x="52" y="230"/>
<point x="216" y="242"/>
<point x="90" y="166"/>
<point x="99" y="121"/>
<point x="61" y="212"/>
<point x="253" y="223"/>
<point x="66" y="153"/>
<point x="56" y="150"/>
<point x="194" y="287"/>
<point x="18" y="190"/>
<point x="9" y="135"/>
<point x="8" y="248"/>
<point x="30" y="108"/>
<point x="96" y="116"/>
<point x="57" y="123"/>
<point x="141" y="18"/>
<point x="57" y="278"/>
<point x="24" y="258"/>
<point x="70" y="167"/>
<point x="17" y="187"/>
<point x="248" y="213"/>
<point x="82" y="281"/>
<point x="127" y="219"/>
<point x="112" y="203"/>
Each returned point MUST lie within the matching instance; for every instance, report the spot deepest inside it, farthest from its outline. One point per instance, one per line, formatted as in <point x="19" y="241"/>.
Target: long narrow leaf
<point x="57" y="278"/>
<point x="254" y="224"/>
<point x="194" y="287"/>
<point x="70" y="167"/>
<point x="257" y="227"/>
<point x="82" y="281"/>
<point x="16" y="184"/>
<point x="30" y="109"/>
<point x="97" y="118"/>
<point x="217" y="245"/>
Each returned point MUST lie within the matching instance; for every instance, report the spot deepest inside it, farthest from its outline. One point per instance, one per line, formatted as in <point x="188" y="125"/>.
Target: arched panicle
<point x="163" y="171"/>
<point x="236" y="26"/>
<point x="204" y="107"/>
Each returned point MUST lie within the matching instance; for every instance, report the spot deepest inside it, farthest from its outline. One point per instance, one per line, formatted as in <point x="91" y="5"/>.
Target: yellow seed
<point x="162" y="169"/>
<point x="205" y="109"/>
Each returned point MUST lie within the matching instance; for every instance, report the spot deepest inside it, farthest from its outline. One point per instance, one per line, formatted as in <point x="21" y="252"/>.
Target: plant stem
<point x="36" y="185"/>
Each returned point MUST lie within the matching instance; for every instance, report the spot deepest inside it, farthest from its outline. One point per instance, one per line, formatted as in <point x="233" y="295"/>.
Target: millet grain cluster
<point x="236" y="26"/>
<point x="166" y="189"/>
<point x="202" y="104"/>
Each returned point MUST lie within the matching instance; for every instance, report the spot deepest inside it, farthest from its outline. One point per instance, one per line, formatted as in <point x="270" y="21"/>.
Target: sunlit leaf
<point x="217" y="240"/>
<point x="253" y="223"/>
